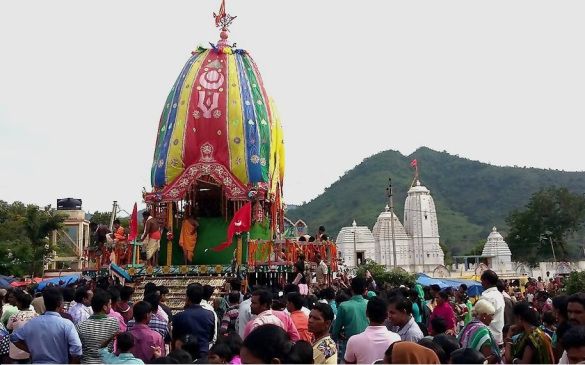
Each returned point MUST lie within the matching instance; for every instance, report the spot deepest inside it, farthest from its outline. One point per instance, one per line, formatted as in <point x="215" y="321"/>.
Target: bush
<point x="393" y="277"/>
<point x="575" y="283"/>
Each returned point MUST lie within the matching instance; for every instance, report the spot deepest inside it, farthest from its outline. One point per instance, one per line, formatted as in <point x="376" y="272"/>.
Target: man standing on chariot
<point x="151" y="238"/>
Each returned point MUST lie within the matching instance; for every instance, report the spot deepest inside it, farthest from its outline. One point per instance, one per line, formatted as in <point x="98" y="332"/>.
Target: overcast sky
<point x="82" y="86"/>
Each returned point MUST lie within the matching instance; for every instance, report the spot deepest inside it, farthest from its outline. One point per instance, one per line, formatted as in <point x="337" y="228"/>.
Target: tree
<point x="382" y="276"/>
<point x="551" y="217"/>
<point x="575" y="283"/>
<point x="24" y="237"/>
<point x="105" y="217"/>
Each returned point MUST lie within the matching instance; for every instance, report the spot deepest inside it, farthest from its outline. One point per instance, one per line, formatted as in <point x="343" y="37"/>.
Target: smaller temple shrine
<point x="497" y="252"/>
<point x="355" y="244"/>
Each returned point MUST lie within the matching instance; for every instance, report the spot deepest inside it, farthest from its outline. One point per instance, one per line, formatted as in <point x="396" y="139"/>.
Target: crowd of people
<point x="344" y="321"/>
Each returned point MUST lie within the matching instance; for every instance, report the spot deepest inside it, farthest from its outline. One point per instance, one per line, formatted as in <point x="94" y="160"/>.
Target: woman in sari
<point x="532" y="345"/>
<point x="443" y="310"/>
<point x="476" y="334"/>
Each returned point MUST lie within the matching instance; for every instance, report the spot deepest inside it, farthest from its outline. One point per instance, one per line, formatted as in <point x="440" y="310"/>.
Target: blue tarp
<point x="474" y="288"/>
<point x="55" y="281"/>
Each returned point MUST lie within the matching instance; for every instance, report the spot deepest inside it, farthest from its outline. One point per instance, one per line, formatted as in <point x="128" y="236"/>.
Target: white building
<point x="417" y="242"/>
<point x="498" y="253"/>
<point x="357" y="239"/>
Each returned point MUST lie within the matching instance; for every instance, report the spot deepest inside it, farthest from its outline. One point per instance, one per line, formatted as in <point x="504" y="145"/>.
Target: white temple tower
<point x="383" y="236"/>
<point x="420" y="223"/>
<point x="359" y="237"/>
<point x="498" y="253"/>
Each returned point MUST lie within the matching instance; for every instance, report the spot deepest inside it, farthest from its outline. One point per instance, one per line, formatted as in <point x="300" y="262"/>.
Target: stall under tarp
<point x="59" y="281"/>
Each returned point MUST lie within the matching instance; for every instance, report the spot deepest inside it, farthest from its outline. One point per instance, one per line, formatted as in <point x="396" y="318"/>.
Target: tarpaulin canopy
<point x="5" y="281"/>
<point x="474" y="288"/>
<point x="59" y="281"/>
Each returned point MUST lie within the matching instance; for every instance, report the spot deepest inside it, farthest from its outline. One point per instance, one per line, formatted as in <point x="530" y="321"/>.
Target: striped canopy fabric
<point x="218" y="120"/>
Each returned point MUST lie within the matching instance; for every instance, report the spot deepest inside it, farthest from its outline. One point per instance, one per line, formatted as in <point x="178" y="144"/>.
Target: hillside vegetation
<point x="470" y="196"/>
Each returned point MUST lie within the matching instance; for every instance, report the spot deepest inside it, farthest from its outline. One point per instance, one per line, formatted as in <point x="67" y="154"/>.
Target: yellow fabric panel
<point x="175" y="164"/>
<point x="237" y="141"/>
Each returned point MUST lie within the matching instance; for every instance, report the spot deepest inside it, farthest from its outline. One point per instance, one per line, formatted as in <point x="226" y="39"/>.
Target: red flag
<point x="240" y="223"/>
<point x="413" y="163"/>
<point x="221" y="13"/>
<point x="133" y="224"/>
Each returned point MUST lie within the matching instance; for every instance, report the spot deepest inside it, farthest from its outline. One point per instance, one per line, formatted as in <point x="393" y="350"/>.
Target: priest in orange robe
<point x="188" y="237"/>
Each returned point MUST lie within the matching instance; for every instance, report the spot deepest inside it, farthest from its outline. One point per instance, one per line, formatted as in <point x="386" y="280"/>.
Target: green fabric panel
<point x="211" y="232"/>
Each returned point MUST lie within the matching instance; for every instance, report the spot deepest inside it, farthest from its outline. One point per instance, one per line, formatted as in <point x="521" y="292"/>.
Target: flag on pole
<point x="220" y="15"/>
<point x="133" y="224"/>
<point x="240" y="223"/>
<point x="413" y="163"/>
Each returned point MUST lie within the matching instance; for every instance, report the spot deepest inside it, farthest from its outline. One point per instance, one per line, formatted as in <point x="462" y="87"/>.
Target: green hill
<point x="470" y="196"/>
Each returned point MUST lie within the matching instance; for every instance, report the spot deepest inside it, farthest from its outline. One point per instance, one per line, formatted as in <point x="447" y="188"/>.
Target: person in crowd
<point x="300" y="319"/>
<point x="370" y="345"/>
<point x="463" y="308"/>
<point x="49" y="339"/>
<point x="124" y="307"/>
<point x="299" y="275"/>
<point x="234" y="341"/>
<point x="180" y="356"/>
<point x="115" y="298"/>
<point x="477" y="335"/>
<point x="25" y="314"/>
<point x="267" y="344"/>
<point x="244" y="316"/>
<point x="164" y="291"/>
<point x="327" y="296"/>
<point x="81" y="310"/>
<point x="125" y="343"/>
<point x="194" y="320"/>
<point x="120" y="240"/>
<point x="156" y="323"/>
<point x="559" y="306"/>
<point x="434" y="289"/>
<point x="230" y="318"/>
<point x="574" y="344"/>
<point x="324" y="348"/>
<point x="146" y="340"/>
<point x="97" y="328"/>
<point x="532" y="346"/>
<point x="151" y="238"/>
<point x="508" y="303"/>
<point x="208" y="305"/>
<point x="548" y="324"/>
<point x="261" y="307"/>
<point x="417" y="304"/>
<point x="438" y="326"/>
<point x="39" y="304"/>
<point x="467" y="356"/>
<point x="489" y="281"/>
<point x="443" y="310"/>
<point x="219" y="353"/>
<point x="351" y="315"/>
<point x="190" y="344"/>
<point x="321" y="271"/>
<point x="406" y="352"/>
<point x="576" y="309"/>
<point x="10" y="308"/>
<point x="400" y="316"/>
<point x="301" y="352"/>
<point x="428" y="343"/>
<point x="448" y="343"/>
<point x="68" y="299"/>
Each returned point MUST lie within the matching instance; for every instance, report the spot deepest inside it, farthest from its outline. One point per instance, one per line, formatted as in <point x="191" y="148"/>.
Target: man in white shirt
<point x="321" y="271"/>
<point x="370" y="345"/>
<point x="489" y="281"/>
<point x="244" y="316"/>
<point x="206" y="304"/>
<point x="81" y="310"/>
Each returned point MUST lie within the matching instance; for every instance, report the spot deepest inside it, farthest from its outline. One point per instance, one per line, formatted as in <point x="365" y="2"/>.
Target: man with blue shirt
<point x="194" y="320"/>
<point x="50" y="338"/>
